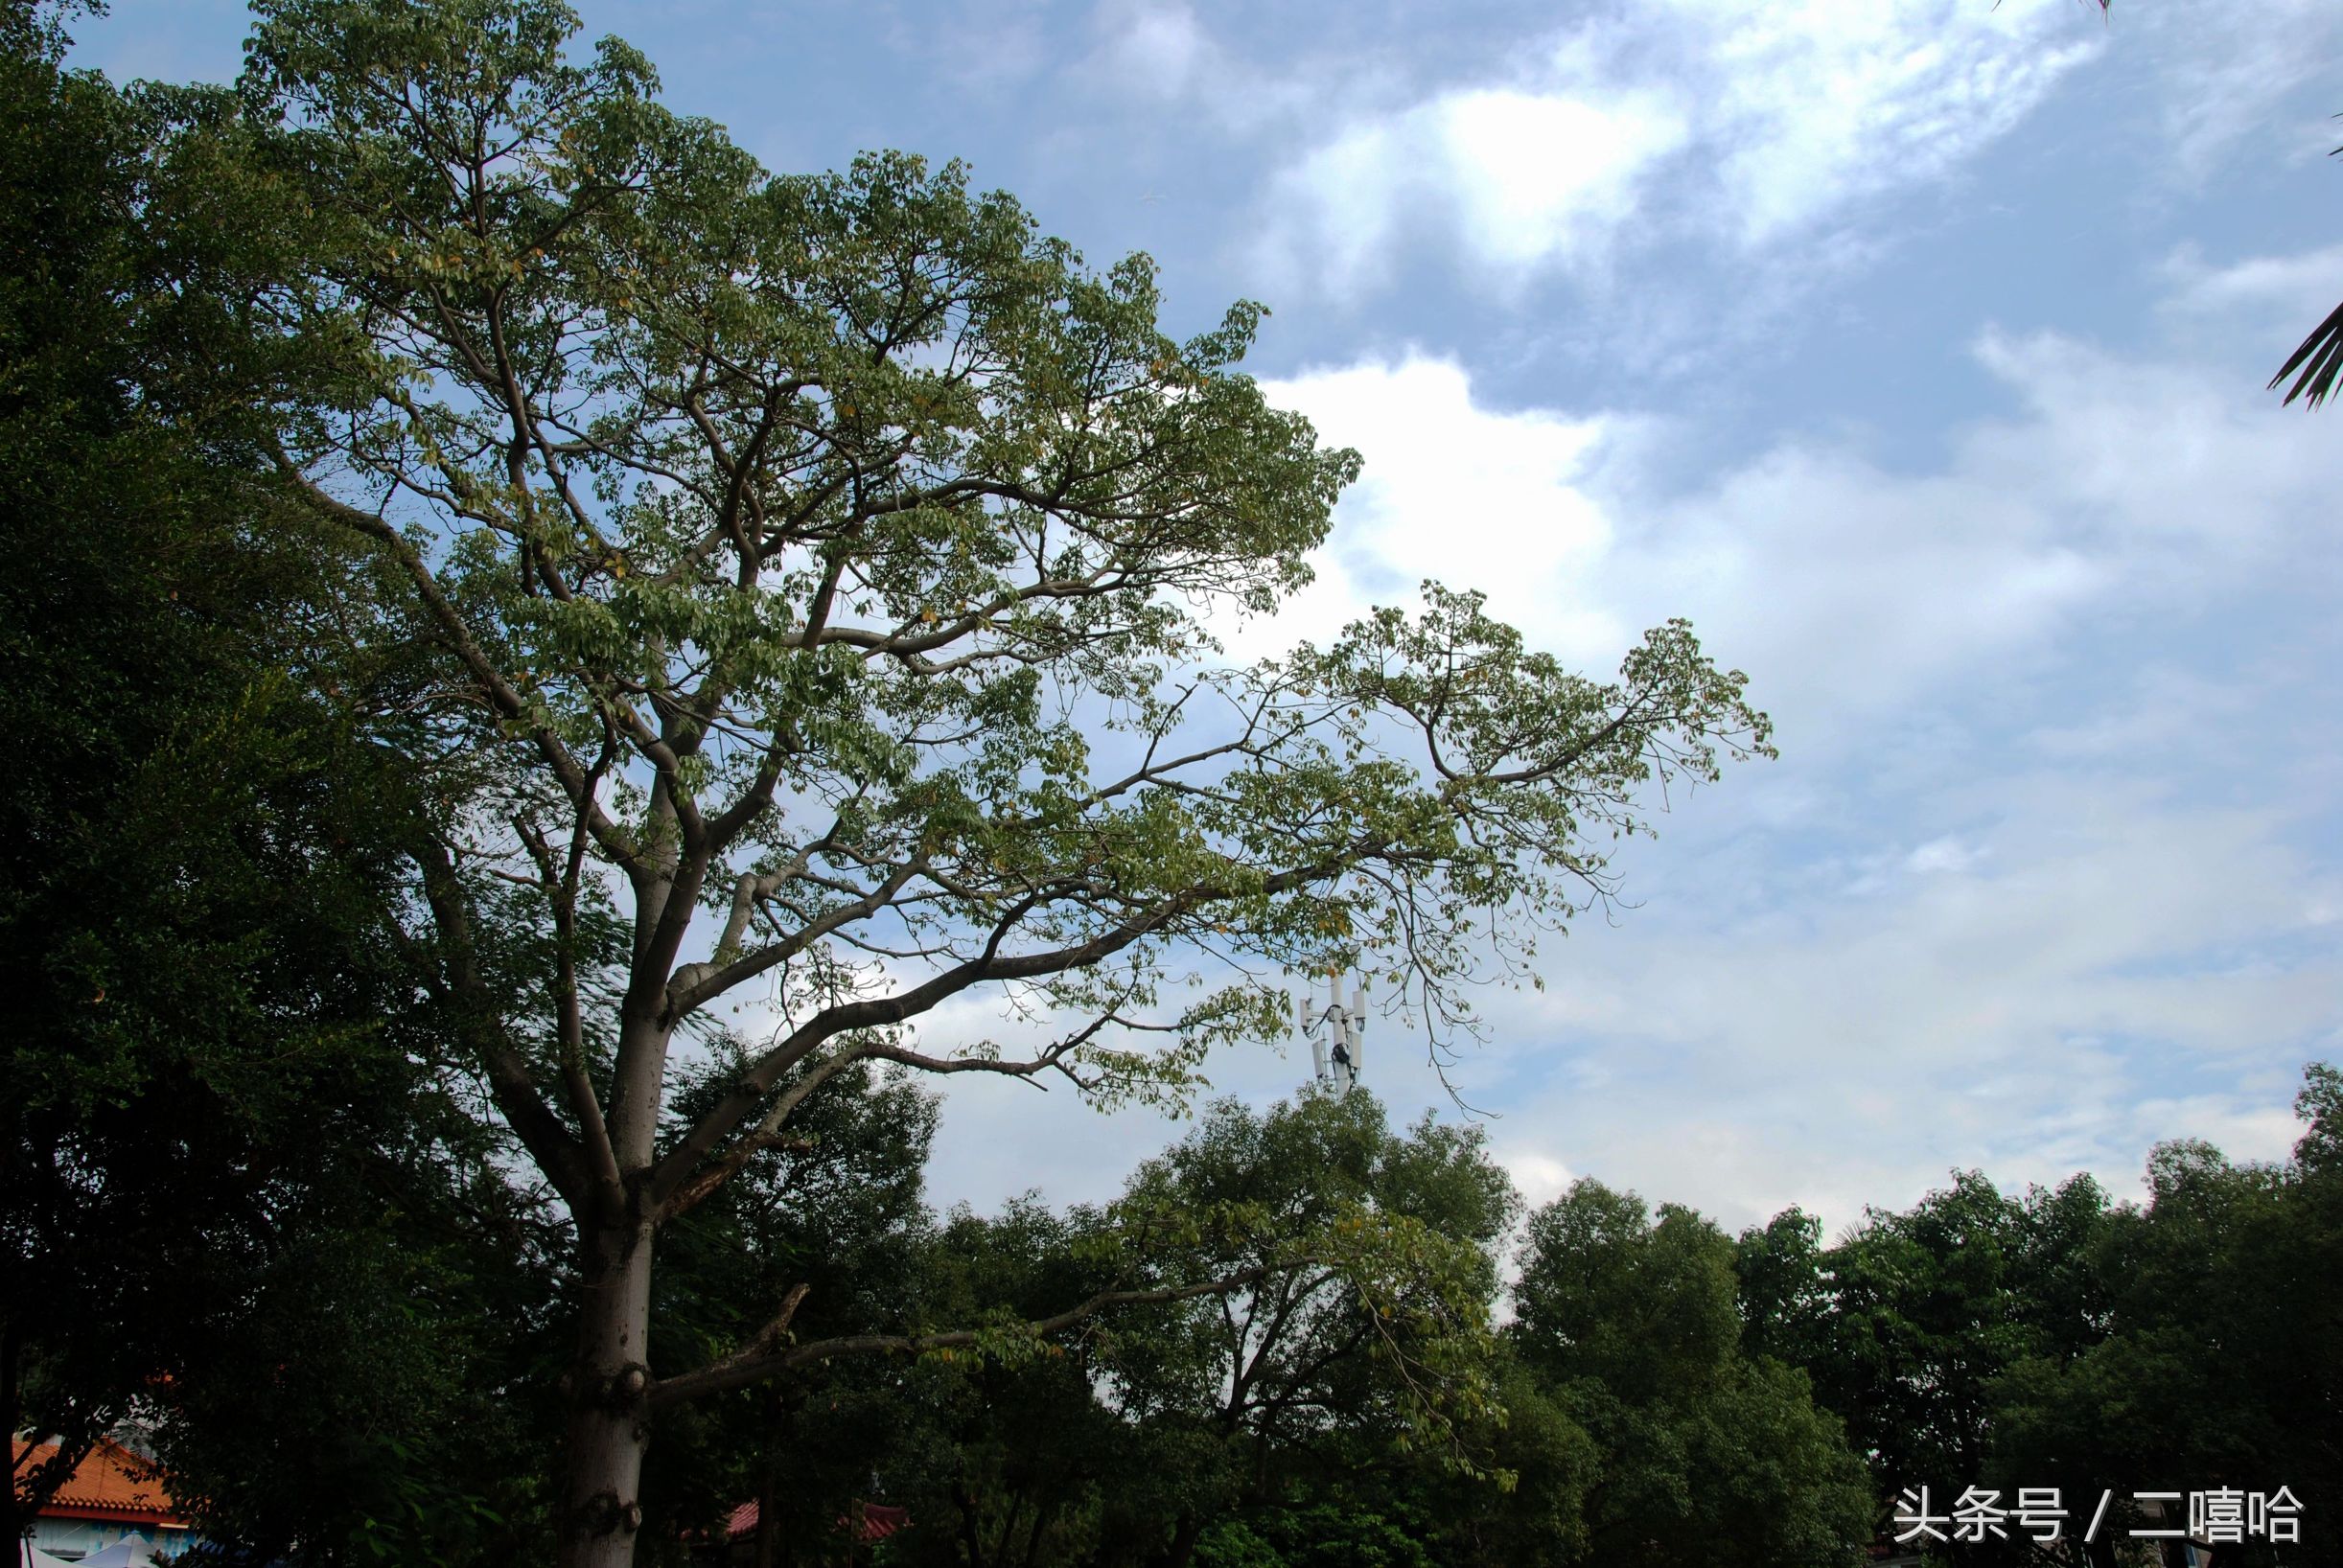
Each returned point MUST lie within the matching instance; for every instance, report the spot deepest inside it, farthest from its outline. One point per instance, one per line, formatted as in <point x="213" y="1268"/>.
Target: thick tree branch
<point x="990" y="965"/>
<point x="741" y="1371"/>
<point x="509" y="704"/>
<point x="515" y="1087"/>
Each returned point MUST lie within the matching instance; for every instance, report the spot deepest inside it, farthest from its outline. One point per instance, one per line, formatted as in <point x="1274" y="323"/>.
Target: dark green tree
<point x="1015" y="1459"/>
<point x="829" y="1226"/>
<point x="2058" y="1340"/>
<point x="2221" y="1360"/>
<point x="1334" y="1406"/>
<point x="1925" y="1313"/>
<point x="1708" y="1454"/>
<point x="1328" y="1368"/>
<point x="237" y="1155"/>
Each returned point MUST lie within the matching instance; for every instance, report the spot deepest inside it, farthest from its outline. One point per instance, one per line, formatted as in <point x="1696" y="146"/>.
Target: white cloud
<point x="2054" y="1014"/>
<point x="1157" y="50"/>
<point x="1538" y="176"/>
<point x="1159" y="54"/>
<point x="1521" y="179"/>
<point x="2227" y="76"/>
<point x="2259" y="285"/>
<point x="1539" y="1177"/>
<point x="1763" y="120"/>
<point x="1948" y="855"/>
<point x="2047" y="872"/>
<point x="2013" y="898"/>
<point x="2123" y="489"/>
<point x="1451" y="490"/>
<point x="1818" y="103"/>
<point x="2271" y="301"/>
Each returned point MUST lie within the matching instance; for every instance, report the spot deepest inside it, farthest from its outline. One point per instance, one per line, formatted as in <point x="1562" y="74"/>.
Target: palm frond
<point x="2320" y="359"/>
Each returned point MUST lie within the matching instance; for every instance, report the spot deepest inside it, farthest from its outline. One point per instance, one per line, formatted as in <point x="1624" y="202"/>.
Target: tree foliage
<point x="2058" y="1339"/>
<point x="234" y="1143"/>
<point x="1705" y="1451"/>
<point x="2317" y="361"/>
<point x="497" y="579"/>
<point x="821" y="574"/>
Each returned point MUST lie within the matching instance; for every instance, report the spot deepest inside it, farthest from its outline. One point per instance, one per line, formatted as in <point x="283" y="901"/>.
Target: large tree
<point x="2220" y="1357"/>
<point x="1910" y="1325"/>
<point x="823" y="570"/>
<point x="2054" y="1339"/>
<point x="837" y="1214"/>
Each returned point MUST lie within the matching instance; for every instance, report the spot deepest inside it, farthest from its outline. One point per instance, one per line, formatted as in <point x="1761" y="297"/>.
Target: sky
<point x="1915" y="350"/>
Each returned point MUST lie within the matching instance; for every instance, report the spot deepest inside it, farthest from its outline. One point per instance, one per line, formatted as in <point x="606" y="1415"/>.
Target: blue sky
<point x="1914" y="349"/>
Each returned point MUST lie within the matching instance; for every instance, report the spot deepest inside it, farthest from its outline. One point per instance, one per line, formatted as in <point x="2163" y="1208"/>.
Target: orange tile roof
<point x="111" y="1482"/>
<point x="877" y="1523"/>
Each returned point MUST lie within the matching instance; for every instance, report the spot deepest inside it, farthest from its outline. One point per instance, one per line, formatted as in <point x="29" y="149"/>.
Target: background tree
<point x="1925" y="1315"/>
<point x="1631" y="1321"/>
<point x="2221" y="1361"/>
<point x="1280" y="1420"/>
<point x="1548" y="1464"/>
<point x="1322" y="1368"/>
<point x="1017" y="1460"/>
<point x="235" y="1157"/>
<point x="2058" y="1340"/>
<point x="837" y="1215"/>
<point x="817" y="567"/>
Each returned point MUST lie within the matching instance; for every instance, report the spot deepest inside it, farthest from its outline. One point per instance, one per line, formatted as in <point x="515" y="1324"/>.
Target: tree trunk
<point x="1041" y="1524"/>
<point x="603" y="1467"/>
<point x="768" y="1486"/>
<point x="971" y="1541"/>
<point x="1184" y="1536"/>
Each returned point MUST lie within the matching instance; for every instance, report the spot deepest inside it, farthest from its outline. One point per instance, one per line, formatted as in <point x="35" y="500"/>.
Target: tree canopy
<point x="820" y="575"/>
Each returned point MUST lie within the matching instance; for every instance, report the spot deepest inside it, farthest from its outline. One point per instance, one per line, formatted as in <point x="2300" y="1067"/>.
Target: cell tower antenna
<point x="1336" y="1034"/>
